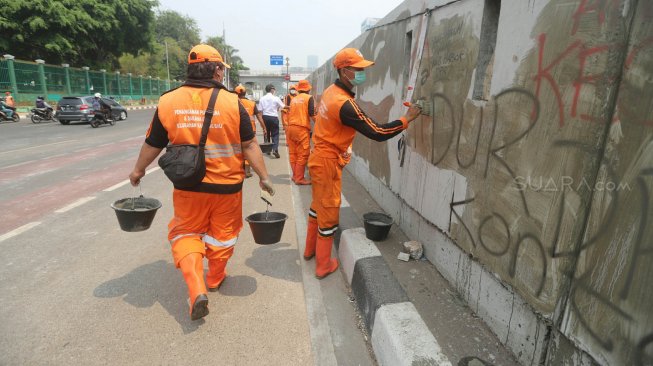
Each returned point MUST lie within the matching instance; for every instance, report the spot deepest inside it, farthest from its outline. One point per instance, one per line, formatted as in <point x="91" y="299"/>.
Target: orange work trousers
<point x="205" y="223"/>
<point x="299" y="145"/>
<point x="326" y="177"/>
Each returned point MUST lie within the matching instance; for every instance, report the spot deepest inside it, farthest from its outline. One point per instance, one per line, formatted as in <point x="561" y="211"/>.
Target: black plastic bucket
<point x="377" y="225"/>
<point x="266" y="226"/>
<point x="266" y="147"/>
<point x="136" y="213"/>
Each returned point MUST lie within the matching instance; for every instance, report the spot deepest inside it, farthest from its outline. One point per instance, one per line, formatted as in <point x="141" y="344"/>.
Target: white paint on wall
<point x="514" y="40"/>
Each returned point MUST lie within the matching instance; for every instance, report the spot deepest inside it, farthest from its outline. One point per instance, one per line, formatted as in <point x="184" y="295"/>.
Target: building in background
<point x="311" y="62"/>
<point x="368" y="23"/>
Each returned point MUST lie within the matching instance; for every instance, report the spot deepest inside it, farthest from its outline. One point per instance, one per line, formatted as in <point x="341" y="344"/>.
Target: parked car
<point x="80" y="109"/>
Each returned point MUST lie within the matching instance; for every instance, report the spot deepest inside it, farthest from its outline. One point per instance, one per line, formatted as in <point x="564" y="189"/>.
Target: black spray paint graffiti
<point x="580" y="284"/>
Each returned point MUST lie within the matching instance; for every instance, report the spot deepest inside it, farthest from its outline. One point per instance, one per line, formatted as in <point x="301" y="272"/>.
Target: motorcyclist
<point x="43" y="105"/>
<point x="6" y="109"/>
<point x="100" y="107"/>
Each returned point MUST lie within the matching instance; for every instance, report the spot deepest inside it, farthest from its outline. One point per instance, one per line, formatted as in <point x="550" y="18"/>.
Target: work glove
<point x="267" y="186"/>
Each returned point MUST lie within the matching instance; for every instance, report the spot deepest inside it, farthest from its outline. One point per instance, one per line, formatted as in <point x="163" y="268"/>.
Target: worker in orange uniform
<point x="291" y="94"/>
<point x="254" y="114"/>
<point x="292" y="91"/>
<point x="9" y="100"/>
<point x="207" y="217"/>
<point x="301" y="112"/>
<point x="339" y="118"/>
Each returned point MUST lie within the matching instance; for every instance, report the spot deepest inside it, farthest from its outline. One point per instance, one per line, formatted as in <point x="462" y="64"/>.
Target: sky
<point x="292" y="28"/>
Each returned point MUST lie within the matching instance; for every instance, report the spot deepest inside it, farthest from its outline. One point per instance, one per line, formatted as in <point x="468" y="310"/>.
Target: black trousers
<point x="272" y="127"/>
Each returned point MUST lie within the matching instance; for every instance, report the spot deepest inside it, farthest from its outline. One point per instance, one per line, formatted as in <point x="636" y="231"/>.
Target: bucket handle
<point x="267" y="202"/>
<point x="140" y="191"/>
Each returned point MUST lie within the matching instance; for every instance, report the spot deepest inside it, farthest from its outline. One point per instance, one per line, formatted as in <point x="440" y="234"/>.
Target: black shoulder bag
<point x="184" y="164"/>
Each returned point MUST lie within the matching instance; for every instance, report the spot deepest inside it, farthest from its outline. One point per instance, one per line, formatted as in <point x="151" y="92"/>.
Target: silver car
<point x="80" y="109"/>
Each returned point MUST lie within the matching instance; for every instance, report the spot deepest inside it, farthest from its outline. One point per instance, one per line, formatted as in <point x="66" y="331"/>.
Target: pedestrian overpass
<point x="256" y="80"/>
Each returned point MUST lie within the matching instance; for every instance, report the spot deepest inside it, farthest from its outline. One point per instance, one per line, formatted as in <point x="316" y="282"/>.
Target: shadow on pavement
<point x="277" y="260"/>
<point x="238" y="286"/>
<point x="161" y="282"/>
<point x="280" y="179"/>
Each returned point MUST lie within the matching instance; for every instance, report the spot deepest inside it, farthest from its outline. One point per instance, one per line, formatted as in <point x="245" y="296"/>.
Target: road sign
<point x="276" y="59"/>
<point x="287" y="77"/>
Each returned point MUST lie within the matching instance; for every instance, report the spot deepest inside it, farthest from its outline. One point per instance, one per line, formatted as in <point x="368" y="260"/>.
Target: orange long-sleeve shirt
<point x="338" y="119"/>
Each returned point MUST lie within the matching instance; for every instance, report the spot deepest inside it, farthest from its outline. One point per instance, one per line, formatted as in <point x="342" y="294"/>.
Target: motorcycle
<point x="102" y="118"/>
<point x="14" y="118"/>
<point x="41" y="114"/>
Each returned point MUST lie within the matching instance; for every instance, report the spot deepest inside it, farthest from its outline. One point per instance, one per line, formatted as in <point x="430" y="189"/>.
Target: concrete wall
<point x="531" y="183"/>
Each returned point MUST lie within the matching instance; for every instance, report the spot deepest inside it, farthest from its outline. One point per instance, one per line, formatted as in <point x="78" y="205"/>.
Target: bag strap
<point x="208" y="115"/>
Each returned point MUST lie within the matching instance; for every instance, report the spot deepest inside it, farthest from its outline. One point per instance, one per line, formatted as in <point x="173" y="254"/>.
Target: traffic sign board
<point x="276" y="59"/>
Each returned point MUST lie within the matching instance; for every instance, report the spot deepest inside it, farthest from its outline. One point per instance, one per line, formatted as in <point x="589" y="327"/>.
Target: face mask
<point x="293" y="92"/>
<point x="359" y="78"/>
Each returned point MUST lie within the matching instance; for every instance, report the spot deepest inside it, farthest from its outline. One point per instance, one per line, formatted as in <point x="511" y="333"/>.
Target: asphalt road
<point x="78" y="290"/>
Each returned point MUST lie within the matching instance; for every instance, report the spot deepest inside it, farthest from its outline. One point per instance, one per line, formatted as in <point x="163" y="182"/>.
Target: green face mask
<point x="359" y="78"/>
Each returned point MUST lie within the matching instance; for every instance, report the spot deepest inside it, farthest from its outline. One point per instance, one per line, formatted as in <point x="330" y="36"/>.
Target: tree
<point x="177" y="57"/>
<point x="81" y="32"/>
<point x="137" y="65"/>
<point x="181" y="33"/>
<point x="181" y="28"/>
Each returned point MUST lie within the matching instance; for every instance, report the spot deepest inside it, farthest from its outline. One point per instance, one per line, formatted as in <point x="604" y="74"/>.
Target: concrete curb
<point x="398" y="334"/>
<point x="135" y="108"/>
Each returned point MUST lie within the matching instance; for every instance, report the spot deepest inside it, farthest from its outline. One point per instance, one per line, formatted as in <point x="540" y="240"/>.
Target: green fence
<point x="27" y="80"/>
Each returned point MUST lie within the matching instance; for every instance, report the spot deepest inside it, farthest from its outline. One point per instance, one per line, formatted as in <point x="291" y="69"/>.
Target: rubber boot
<point x="311" y="239"/>
<point x="218" y="258"/>
<point x="300" y="180"/>
<point x="216" y="274"/>
<point x="193" y="270"/>
<point x="293" y="168"/>
<point x="324" y="264"/>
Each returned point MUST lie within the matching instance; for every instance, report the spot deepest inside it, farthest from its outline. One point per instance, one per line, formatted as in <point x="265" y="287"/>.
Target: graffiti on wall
<point x="554" y="235"/>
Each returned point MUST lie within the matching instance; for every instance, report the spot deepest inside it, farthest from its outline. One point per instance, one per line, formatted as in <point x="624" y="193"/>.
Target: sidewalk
<point x="422" y="318"/>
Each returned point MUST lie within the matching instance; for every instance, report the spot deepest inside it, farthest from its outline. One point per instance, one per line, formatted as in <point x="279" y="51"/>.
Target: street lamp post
<point x="167" y="62"/>
<point x="287" y="75"/>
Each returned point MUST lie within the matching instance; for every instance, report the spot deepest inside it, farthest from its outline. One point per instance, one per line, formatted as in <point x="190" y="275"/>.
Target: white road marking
<point x="19" y="164"/>
<point x="126" y="181"/>
<point x="79" y="202"/>
<point x="19" y="230"/>
<point x="37" y="147"/>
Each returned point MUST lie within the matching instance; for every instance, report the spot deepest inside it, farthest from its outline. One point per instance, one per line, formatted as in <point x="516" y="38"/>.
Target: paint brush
<point x="427" y="107"/>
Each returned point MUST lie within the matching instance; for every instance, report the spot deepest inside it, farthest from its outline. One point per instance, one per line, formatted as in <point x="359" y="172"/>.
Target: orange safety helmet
<point x="303" y="85"/>
<point x="239" y="89"/>
<point x="205" y="53"/>
<point x="350" y="57"/>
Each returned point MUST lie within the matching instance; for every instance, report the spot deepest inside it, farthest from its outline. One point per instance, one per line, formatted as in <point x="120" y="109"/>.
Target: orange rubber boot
<point x="218" y="258"/>
<point x="293" y="168"/>
<point x="324" y="264"/>
<point x="193" y="270"/>
<point x="300" y="180"/>
<point x="311" y="239"/>
<point x="216" y="274"/>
